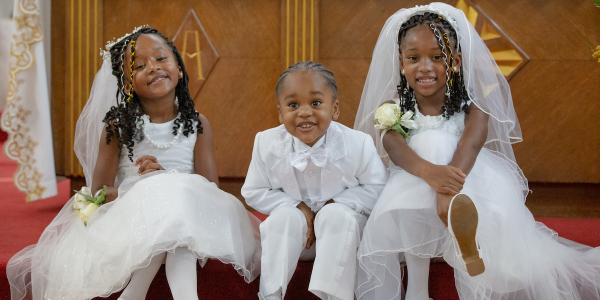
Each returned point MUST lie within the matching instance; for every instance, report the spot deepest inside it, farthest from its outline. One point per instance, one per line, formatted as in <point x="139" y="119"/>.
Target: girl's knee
<point x="181" y="254"/>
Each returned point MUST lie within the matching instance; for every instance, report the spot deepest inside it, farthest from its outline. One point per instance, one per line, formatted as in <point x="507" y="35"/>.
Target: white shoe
<point x="462" y="224"/>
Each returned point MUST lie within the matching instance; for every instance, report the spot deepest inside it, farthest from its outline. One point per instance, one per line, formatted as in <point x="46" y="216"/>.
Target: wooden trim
<point x="79" y="42"/>
<point x="299" y="31"/>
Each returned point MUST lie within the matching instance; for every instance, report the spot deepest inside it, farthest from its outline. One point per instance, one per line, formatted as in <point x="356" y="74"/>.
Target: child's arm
<point x="472" y="139"/>
<point x="257" y="189"/>
<point x="204" y="156"/>
<point x="442" y="178"/>
<point x="372" y="176"/>
<point x="106" y="167"/>
<point x="469" y="146"/>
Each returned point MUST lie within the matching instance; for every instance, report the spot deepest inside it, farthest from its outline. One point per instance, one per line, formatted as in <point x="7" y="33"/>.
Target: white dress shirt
<point x="309" y="180"/>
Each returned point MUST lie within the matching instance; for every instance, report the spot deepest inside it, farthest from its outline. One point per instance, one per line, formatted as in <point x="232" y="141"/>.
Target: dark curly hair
<point x="122" y="118"/>
<point x="458" y="97"/>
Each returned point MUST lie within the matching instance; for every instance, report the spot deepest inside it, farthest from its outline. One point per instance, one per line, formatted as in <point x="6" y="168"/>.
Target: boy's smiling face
<point x="306" y="106"/>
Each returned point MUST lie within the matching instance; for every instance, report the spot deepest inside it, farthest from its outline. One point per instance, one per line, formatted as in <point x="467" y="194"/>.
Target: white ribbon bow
<point x="318" y="156"/>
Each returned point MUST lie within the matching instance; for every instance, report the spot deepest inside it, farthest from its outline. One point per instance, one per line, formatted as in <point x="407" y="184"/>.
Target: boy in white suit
<point x="312" y="166"/>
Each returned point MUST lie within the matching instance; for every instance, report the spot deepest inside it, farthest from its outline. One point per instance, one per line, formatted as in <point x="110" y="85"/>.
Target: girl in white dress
<point x="155" y="154"/>
<point x="431" y="63"/>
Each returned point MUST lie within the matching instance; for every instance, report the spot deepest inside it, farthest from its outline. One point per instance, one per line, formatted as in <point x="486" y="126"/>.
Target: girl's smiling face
<point x="306" y="106"/>
<point x="155" y="68"/>
<point x="422" y="60"/>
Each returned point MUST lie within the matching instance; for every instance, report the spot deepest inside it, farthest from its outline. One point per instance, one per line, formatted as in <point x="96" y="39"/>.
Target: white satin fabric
<point x="154" y="213"/>
<point x="337" y="228"/>
<point x="524" y="259"/>
<point x="353" y="174"/>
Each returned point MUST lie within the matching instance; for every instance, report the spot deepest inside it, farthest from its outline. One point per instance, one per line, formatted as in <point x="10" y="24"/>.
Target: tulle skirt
<point x="157" y="212"/>
<point x="524" y="259"/>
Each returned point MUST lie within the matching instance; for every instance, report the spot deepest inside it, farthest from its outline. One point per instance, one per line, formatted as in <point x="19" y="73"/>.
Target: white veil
<point x="103" y="96"/>
<point x="486" y="85"/>
<point x="88" y="130"/>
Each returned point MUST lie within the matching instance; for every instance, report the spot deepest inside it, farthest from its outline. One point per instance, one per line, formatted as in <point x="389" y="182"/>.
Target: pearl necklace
<point x="427" y="121"/>
<point x="146" y="119"/>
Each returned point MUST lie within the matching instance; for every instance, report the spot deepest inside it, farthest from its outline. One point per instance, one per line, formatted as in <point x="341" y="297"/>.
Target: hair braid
<point x="308" y="66"/>
<point x="131" y="71"/>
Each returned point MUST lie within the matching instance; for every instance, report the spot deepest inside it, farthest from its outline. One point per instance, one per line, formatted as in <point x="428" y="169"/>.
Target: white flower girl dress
<point x="154" y="213"/>
<point x="524" y="260"/>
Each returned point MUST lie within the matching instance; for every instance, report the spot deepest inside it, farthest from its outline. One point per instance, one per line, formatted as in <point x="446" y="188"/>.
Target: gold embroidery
<point x="27" y="6"/>
<point x="20" y="146"/>
<point x="28" y="32"/>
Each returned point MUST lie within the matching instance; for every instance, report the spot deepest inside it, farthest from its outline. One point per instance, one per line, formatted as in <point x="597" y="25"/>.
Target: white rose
<point x="80" y="201"/>
<point x="77" y="204"/>
<point x="83" y="217"/>
<point x="386" y="115"/>
<point x="86" y="190"/>
<point x="407" y="122"/>
<point x="87" y="211"/>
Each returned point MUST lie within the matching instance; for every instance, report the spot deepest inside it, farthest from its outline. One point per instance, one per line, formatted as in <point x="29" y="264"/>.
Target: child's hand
<point x="444" y="179"/>
<point x="443" y="203"/>
<point x="310" y="219"/>
<point x="147" y="163"/>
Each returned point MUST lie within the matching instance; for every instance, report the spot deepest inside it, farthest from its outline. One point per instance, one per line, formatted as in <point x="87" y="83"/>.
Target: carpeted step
<point x="22" y="223"/>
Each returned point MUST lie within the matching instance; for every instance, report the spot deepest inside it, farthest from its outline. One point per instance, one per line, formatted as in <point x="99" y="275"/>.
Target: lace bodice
<point x="179" y="157"/>
<point x="455" y="124"/>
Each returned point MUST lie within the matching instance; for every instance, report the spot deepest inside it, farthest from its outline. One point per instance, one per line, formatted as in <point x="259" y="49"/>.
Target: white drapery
<point x="26" y="117"/>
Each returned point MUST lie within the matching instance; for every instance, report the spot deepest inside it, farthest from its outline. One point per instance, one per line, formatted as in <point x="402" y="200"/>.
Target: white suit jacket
<point x="354" y="175"/>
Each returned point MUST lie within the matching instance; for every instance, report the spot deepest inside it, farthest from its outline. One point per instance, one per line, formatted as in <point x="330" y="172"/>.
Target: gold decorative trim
<point x="83" y="41"/>
<point x="20" y="146"/>
<point x="298" y="31"/>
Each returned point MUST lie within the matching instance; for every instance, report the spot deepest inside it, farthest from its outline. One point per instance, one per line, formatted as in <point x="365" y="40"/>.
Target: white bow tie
<point x="318" y="156"/>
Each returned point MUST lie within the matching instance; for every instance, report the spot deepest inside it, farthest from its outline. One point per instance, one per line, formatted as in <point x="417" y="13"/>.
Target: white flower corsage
<point x="389" y="116"/>
<point x="85" y="204"/>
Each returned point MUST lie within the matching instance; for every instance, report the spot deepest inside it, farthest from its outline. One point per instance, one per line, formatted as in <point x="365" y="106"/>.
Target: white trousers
<point x="338" y="229"/>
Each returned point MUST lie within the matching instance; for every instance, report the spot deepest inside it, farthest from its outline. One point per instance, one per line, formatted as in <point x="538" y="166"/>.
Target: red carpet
<point x="3" y="135"/>
<point x="22" y="223"/>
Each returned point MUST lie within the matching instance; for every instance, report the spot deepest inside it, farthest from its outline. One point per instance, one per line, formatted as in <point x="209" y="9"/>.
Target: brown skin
<point x="154" y="60"/>
<point x="422" y="61"/>
<point x="305" y="100"/>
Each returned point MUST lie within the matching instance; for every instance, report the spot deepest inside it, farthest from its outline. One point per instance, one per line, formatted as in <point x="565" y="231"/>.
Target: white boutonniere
<point x="389" y="116"/>
<point x="85" y="204"/>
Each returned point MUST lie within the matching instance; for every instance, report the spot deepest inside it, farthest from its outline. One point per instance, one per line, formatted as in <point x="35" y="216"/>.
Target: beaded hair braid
<point x="456" y="93"/>
<point x="130" y="95"/>
<point x="448" y="65"/>
<point x="123" y="119"/>
<point x="308" y="66"/>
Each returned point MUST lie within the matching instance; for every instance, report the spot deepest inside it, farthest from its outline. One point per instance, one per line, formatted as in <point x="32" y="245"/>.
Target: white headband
<point x="106" y="53"/>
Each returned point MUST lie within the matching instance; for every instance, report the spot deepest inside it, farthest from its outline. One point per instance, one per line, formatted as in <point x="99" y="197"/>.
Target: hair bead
<point x="131" y="74"/>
